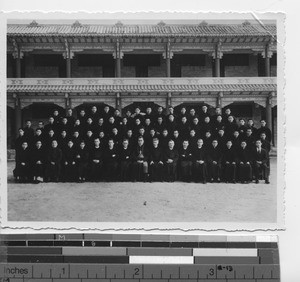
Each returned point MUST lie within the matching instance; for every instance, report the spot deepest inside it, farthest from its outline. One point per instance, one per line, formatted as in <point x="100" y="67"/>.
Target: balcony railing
<point x="188" y="84"/>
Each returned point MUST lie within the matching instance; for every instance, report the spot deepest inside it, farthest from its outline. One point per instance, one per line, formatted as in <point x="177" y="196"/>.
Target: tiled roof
<point x="219" y="30"/>
<point x="144" y="88"/>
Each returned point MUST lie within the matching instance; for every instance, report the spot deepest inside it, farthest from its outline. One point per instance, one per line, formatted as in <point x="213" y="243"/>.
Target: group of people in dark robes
<point x="103" y="145"/>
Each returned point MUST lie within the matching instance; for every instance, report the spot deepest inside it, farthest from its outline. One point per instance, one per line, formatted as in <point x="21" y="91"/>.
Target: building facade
<point x="78" y="65"/>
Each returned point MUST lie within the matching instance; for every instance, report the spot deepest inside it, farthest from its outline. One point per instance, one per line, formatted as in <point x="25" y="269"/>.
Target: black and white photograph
<point x="144" y="120"/>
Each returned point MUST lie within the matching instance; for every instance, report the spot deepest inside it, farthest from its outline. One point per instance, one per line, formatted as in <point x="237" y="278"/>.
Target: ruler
<point x="138" y="257"/>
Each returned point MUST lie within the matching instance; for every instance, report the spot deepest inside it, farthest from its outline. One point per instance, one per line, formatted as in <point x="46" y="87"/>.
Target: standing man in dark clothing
<point x="214" y="162"/>
<point x="51" y="125"/>
<point x="23" y="164"/>
<point x="38" y="136"/>
<point x="170" y="162"/>
<point x="250" y="139"/>
<point x="125" y="161"/>
<point x="230" y="127"/>
<point x="264" y="129"/>
<point x="96" y="162"/>
<point x="70" y="117"/>
<point x="265" y="144"/>
<point x="200" y="162"/>
<point x="69" y="162"/>
<point x="229" y="159"/>
<point x="242" y="128"/>
<point x="111" y="161"/>
<point x="20" y="140"/>
<point x="184" y="128"/>
<point x="140" y="157"/>
<point x="38" y="162"/>
<point x="244" y="163"/>
<point x="82" y="160"/>
<point x="54" y="158"/>
<point x="250" y="124"/>
<point x="156" y="161"/>
<point x="29" y="133"/>
<point x="185" y="161"/>
<point x="260" y="163"/>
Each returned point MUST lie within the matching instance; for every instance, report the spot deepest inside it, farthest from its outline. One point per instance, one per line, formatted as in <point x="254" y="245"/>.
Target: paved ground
<point x="146" y="202"/>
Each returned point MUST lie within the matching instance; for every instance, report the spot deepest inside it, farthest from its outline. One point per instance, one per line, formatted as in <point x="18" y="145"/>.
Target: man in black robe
<point x="200" y="162"/>
<point x="214" y="162"/>
<point x="53" y="167"/>
<point x="264" y="129"/>
<point x="69" y="162"/>
<point x="185" y="161"/>
<point x="22" y="172"/>
<point x="96" y="162"/>
<point x="111" y="161"/>
<point x="140" y="157"/>
<point x="229" y="159"/>
<point x="125" y="159"/>
<point x="156" y="161"/>
<point x="170" y="162"/>
<point x="82" y="160"/>
<point x="244" y="163"/>
<point x="38" y="162"/>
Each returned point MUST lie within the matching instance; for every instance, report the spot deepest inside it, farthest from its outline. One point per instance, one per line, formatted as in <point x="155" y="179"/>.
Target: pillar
<point x="18" y="115"/>
<point x="18" y="111"/>
<point x="217" y="55"/>
<point x="68" y="55"/>
<point x="119" y="102"/>
<point x="18" y="67"/>
<point x="67" y="102"/>
<point x="169" y="100"/>
<point x="267" y="55"/>
<point x="118" y="67"/>
<point x="269" y="120"/>
<point x="118" y="55"/>
<point x="220" y="100"/>
<point x="68" y="67"/>
<point x="168" y="56"/>
<point x="217" y="67"/>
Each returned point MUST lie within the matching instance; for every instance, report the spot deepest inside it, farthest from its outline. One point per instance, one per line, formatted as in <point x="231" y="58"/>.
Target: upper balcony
<point x="233" y="85"/>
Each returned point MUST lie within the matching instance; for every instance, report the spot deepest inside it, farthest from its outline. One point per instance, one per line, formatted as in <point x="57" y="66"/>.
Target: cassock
<point x="23" y="165"/>
<point x="214" y="163"/>
<point x="156" y="163"/>
<point x="82" y="159"/>
<point x="244" y="164"/>
<point x="53" y="168"/>
<point x="229" y="159"/>
<point x="140" y="157"/>
<point x="96" y="164"/>
<point x="111" y="160"/>
<point x="200" y="164"/>
<point x="38" y="161"/>
<point x="185" y="163"/>
<point x="69" y="164"/>
<point x="125" y="159"/>
<point x="171" y="167"/>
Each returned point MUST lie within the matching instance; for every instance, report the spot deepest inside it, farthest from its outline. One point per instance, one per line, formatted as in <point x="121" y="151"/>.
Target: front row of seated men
<point x="199" y="164"/>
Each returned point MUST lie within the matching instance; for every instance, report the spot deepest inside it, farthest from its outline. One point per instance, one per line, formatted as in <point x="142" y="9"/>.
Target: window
<point x="235" y="60"/>
<point x="189" y="60"/>
<point x="141" y="60"/>
<point x="95" y="60"/>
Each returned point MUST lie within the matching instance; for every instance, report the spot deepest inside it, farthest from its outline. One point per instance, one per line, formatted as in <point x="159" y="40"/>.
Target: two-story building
<point x="78" y="65"/>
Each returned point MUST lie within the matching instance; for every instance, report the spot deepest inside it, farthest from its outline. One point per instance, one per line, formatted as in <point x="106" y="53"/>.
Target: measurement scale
<point x="138" y="258"/>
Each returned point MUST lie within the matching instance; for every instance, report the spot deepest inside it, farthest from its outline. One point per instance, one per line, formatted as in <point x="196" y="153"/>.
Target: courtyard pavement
<point x="143" y="202"/>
